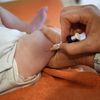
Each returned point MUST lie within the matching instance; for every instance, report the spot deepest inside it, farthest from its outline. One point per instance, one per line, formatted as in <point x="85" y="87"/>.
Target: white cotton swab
<point x="56" y="46"/>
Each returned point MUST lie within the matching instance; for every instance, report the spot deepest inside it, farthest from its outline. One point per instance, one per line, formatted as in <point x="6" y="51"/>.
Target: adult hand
<point x="85" y="18"/>
<point x="61" y="59"/>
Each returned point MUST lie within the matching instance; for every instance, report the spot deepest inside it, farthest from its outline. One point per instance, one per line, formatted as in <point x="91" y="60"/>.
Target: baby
<point x="24" y="50"/>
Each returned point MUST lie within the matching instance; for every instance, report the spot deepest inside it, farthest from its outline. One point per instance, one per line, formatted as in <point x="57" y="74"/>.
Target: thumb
<point x="76" y="47"/>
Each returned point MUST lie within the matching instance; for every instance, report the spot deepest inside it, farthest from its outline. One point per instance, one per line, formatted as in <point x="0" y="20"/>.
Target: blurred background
<point x="65" y="2"/>
<point x="26" y="9"/>
<point x="81" y="2"/>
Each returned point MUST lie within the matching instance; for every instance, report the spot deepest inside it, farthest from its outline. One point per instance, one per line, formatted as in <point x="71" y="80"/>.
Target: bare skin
<point x="32" y="52"/>
<point x="61" y="59"/>
<point x="11" y="21"/>
<point x="87" y="19"/>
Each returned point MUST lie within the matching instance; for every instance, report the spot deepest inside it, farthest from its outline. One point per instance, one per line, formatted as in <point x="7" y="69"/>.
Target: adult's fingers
<point x="78" y="47"/>
<point x="70" y="15"/>
<point x="65" y="23"/>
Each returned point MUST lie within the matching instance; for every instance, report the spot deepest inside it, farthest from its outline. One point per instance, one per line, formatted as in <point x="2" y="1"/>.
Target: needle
<point x="70" y="39"/>
<point x="56" y="46"/>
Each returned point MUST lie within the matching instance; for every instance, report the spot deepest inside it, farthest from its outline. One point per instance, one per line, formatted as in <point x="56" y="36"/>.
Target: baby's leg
<point x="39" y="19"/>
<point x="11" y="21"/>
<point x="32" y="53"/>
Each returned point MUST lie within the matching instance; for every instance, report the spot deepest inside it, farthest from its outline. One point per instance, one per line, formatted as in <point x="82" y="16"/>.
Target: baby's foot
<point x="39" y="19"/>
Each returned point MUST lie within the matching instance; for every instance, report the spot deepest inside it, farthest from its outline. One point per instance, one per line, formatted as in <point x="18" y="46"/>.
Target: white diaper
<point x="9" y="77"/>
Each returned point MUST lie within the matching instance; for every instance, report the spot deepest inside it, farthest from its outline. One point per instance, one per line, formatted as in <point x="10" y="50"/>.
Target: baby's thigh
<point x="33" y="53"/>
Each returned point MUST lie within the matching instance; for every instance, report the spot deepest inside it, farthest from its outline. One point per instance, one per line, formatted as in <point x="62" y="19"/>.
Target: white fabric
<point x="8" y="39"/>
<point x="9" y="76"/>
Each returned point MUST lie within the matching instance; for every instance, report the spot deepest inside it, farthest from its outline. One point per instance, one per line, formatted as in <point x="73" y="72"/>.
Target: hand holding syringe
<point x="70" y="39"/>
